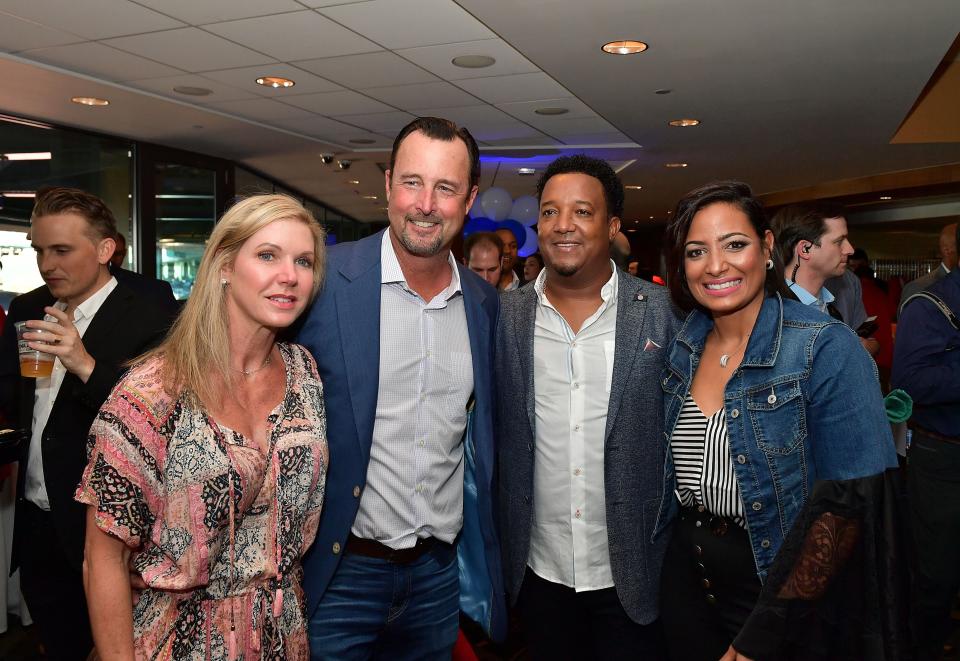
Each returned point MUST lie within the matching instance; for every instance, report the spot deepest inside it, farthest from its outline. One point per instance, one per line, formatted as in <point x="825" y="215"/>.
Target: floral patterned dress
<point x="218" y="529"/>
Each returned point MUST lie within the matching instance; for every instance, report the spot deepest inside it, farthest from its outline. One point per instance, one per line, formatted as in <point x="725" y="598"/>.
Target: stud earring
<point x="224" y="282"/>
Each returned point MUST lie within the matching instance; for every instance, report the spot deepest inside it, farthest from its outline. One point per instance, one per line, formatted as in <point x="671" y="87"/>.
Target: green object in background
<point x="899" y="406"/>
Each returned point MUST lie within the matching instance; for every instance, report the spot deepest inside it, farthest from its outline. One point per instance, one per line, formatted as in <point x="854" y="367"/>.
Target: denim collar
<point x="764" y="344"/>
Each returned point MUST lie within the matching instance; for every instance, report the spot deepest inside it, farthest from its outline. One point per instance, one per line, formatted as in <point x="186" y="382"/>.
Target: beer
<point x="37" y="366"/>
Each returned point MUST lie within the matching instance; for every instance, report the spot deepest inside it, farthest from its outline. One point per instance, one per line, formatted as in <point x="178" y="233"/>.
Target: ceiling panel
<point x="190" y="49"/>
<point x="219" y="91"/>
<point x="519" y="87"/>
<point x="382" y="122"/>
<point x="96" y="59"/>
<point x="525" y="110"/>
<point x="560" y="127"/>
<point x="17" y="34"/>
<point x="260" y="109"/>
<point x="409" y="23"/>
<point x="338" y="103"/>
<point x="434" y="95"/>
<point x="368" y="70"/>
<point x="246" y="77"/>
<point x="493" y="133"/>
<point x="300" y="35"/>
<point x="213" y="11"/>
<point x="438" y="59"/>
<point x="93" y="19"/>
<point x="317" y="127"/>
<point x="469" y="116"/>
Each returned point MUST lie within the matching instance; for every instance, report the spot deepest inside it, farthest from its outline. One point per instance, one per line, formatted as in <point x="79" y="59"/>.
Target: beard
<point x="420" y="249"/>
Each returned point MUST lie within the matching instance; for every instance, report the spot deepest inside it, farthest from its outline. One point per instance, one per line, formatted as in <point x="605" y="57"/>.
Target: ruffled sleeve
<point x="125" y="451"/>
<point x="839" y="586"/>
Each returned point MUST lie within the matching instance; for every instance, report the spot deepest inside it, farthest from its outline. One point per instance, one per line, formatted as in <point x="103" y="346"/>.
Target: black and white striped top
<point x="701" y="454"/>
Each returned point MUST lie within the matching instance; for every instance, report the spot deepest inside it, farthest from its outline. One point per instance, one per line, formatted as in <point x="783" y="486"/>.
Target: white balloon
<point x="496" y="204"/>
<point x="525" y="210"/>
<point x="530" y="245"/>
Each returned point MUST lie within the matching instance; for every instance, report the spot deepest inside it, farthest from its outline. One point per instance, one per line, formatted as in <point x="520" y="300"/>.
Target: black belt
<point x="934" y="435"/>
<point x="374" y="549"/>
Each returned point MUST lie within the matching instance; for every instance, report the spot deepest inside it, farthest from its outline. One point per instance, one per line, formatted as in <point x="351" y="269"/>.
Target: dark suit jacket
<point x="342" y="331"/>
<point x="124" y="326"/>
<point x="634" y="443"/>
<point x="156" y="292"/>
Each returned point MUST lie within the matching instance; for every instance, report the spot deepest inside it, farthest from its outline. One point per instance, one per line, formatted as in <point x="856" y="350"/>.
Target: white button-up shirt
<point x="415" y="475"/>
<point x="572" y="377"/>
<point x="45" y="394"/>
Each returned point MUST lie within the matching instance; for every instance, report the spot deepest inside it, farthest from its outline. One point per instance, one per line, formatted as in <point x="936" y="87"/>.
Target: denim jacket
<point x="803" y="406"/>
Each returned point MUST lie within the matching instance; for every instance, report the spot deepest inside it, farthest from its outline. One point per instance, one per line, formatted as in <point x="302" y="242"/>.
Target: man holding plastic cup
<point x="62" y="350"/>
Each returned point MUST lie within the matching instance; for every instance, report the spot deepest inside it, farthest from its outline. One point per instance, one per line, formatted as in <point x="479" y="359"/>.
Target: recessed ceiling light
<point x="651" y="217"/>
<point x="551" y="111"/>
<point x="473" y="61"/>
<point x="275" y="82"/>
<point x="90" y="101"/>
<point x="526" y="171"/>
<point x="26" y="156"/>
<point x="886" y="197"/>
<point x="192" y="91"/>
<point x="634" y="187"/>
<point x="624" y="47"/>
<point x="369" y="197"/>
<point x="675" y="165"/>
<point x="662" y="91"/>
<point x="687" y="121"/>
<point x="353" y="181"/>
<point x="632" y="229"/>
<point x="19" y="194"/>
<point x="361" y="141"/>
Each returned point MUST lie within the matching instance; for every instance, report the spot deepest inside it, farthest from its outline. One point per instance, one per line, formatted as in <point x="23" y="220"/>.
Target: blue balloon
<point x="530" y="245"/>
<point x="476" y="211"/>
<point x="525" y="210"/>
<point x="496" y="203"/>
<point x="478" y="225"/>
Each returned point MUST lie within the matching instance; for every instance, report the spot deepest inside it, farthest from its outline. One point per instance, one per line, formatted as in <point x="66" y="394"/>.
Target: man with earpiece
<point x="815" y="247"/>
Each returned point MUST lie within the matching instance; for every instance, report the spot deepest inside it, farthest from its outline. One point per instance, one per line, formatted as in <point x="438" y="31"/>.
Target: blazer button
<point x="712" y="600"/>
<point x="356" y="492"/>
<point x="765" y="543"/>
<point x="336" y="548"/>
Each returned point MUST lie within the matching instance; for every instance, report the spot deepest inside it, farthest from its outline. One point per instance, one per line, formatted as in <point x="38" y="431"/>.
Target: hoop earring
<point x="224" y="282"/>
<point x="769" y="264"/>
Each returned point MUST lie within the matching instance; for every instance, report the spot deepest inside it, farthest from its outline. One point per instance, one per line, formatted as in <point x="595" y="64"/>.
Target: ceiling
<point x="789" y="94"/>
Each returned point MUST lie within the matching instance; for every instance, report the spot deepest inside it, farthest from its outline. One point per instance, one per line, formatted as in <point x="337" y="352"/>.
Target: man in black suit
<point x="157" y="292"/>
<point x="93" y="325"/>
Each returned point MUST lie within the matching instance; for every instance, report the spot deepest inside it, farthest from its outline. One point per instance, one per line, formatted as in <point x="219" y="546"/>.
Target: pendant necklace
<point x="725" y="358"/>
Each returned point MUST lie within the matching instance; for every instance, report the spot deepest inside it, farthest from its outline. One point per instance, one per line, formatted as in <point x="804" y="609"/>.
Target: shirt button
<point x="765" y="543"/>
<point x="741" y="459"/>
<point x="336" y="548"/>
<point x="577" y="514"/>
<point x="705" y="582"/>
<point x="577" y="471"/>
<point x="576" y="428"/>
<point x="573" y="344"/>
<point x="711" y="599"/>
<point x="772" y="399"/>
<point x="666" y="381"/>
<point x="419" y="488"/>
<point x="698" y="549"/>
<point x="356" y="492"/>
<point x="422" y="443"/>
<point x="576" y="386"/>
<point x="735" y="413"/>
<point x="757" y="506"/>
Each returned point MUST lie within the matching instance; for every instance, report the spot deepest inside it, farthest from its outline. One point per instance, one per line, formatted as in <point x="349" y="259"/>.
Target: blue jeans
<point x="375" y="609"/>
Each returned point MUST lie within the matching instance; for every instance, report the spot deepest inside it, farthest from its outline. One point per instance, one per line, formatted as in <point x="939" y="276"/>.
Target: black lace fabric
<point x="839" y="587"/>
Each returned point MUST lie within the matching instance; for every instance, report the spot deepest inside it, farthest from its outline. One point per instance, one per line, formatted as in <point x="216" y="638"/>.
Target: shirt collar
<point x="390" y="271"/>
<point x="608" y="292"/>
<point x="944" y="267"/>
<point x="89" y="307"/>
<point x="807" y="298"/>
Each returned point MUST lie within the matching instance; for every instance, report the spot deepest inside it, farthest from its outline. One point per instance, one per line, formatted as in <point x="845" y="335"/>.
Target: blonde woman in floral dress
<point x="207" y="463"/>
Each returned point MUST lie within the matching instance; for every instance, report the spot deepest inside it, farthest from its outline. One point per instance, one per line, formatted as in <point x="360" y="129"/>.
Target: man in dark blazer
<point x="93" y="325"/>
<point x="579" y="424"/>
<point x="948" y="262"/>
<point x="396" y="332"/>
<point x="155" y="291"/>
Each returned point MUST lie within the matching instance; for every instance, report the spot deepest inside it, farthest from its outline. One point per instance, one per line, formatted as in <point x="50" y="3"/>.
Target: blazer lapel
<point x="523" y="334"/>
<point x="358" y="314"/>
<point x="631" y="308"/>
<point x="478" y="328"/>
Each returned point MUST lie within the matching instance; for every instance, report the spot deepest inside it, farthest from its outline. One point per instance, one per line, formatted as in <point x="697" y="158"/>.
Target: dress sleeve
<point x="123" y="478"/>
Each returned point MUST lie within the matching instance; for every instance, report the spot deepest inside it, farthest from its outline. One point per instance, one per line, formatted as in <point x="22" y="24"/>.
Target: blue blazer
<point x="342" y="331"/>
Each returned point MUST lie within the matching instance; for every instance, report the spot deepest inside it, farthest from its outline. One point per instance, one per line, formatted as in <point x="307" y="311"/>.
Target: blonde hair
<point x="199" y="342"/>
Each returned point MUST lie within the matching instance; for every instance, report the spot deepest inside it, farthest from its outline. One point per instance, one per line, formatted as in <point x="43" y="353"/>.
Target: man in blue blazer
<point x="580" y="430"/>
<point x="403" y="338"/>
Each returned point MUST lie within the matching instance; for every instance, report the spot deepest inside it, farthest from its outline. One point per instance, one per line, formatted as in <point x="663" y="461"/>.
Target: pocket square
<point x="651" y="345"/>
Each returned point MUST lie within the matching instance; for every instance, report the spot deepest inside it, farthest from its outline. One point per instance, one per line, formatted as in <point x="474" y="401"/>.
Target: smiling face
<point x="271" y="277"/>
<point x="830" y="257"/>
<point x="724" y="259"/>
<point x="574" y="229"/>
<point x="428" y="193"/>
<point x="509" y="248"/>
<point x="71" y="261"/>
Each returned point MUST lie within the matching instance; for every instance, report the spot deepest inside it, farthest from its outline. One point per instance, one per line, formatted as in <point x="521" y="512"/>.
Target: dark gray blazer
<point x="634" y="444"/>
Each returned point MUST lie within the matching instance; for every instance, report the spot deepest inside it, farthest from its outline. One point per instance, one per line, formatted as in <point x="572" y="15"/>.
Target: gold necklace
<point x="254" y="371"/>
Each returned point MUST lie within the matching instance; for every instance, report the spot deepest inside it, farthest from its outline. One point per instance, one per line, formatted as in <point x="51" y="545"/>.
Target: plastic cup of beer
<point x="33" y="363"/>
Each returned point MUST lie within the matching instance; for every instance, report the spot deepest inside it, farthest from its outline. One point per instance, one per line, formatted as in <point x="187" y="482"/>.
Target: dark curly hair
<point x="735" y="193"/>
<point x="593" y="167"/>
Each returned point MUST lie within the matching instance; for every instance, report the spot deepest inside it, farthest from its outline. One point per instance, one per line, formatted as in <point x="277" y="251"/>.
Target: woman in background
<point x="532" y="266"/>
<point x="207" y="463"/>
<point x="778" y="442"/>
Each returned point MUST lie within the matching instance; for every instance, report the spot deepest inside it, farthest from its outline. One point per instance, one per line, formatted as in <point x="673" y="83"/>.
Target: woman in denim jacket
<point x="774" y="416"/>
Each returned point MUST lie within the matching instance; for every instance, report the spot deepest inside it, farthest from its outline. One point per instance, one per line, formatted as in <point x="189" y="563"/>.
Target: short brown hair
<point x="56" y="200"/>
<point x="478" y="238"/>
<point x="437" y="128"/>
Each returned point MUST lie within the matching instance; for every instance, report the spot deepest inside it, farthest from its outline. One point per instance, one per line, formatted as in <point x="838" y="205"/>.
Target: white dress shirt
<point x="45" y="394"/>
<point x="415" y="475"/>
<point x="572" y="377"/>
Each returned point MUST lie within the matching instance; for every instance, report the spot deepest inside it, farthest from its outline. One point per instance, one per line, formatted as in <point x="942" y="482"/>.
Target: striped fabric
<point x="701" y="453"/>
